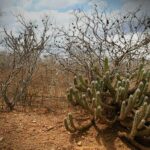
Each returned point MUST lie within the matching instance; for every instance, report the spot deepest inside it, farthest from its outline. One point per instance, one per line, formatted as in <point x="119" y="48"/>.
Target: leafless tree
<point x="23" y="51"/>
<point x="92" y="37"/>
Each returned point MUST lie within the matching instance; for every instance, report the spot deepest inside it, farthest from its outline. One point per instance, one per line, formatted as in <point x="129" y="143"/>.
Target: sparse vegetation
<point x="109" y="57"/>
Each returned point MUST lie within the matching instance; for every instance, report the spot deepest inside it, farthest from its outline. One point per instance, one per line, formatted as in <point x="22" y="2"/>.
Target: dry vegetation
<point x="34" y="81"/>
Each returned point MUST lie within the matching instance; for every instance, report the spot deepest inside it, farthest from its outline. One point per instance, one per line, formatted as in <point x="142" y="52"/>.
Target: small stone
<point x="79" y="143"/>
<point x="50" y="128"/>
<point x="34" y="121"/>
<point x="1" y="139"/>
<point x="53" y="138"/>
<point x="33" y="129"/>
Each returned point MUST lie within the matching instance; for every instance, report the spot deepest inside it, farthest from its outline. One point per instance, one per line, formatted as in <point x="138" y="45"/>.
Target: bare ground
<point x="43" y="129"/>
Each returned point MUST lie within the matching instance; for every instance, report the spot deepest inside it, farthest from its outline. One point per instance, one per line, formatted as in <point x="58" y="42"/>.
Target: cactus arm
<point x="141" y="124"/>
<point x="86" y="104"/>
<point x="67" y="126"/>
<point x="86" y="126"/>
<point x="70" y="119"/>
<point x="106" y="65"/>
<point x="122" y="112"/>
<point x="135" y="124"/>
<point x="77" y="97"/>
<point x="75" y="81"/>
<point x="147" y="113"/>
<point x="99" y="115"/>
<point x="82" y="81"/>
<point x="89" y="93"/>
<point x="138" y="121"/>
<point x="107" y="83"/>
<point x="70" y="99"/>
<point x="132" y="141"/>
<point x="99" y="102"/>
<point x="144" y="132"/>
<point x="70" y="126"/>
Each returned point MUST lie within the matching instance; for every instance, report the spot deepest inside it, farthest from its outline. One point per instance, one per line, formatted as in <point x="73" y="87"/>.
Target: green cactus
<point x="70" y="96"/>
<point x="141" y="124"/>
<point x="72" y="128"/>
<point x="75" y="81"/>
<point x="108" y="84"/>
<point x="106" y="65"/>
<point x="110" y="98"/>
<point x="140" y="120"/>
<point x="135" y="124"/>
<point x="82" y="81"/>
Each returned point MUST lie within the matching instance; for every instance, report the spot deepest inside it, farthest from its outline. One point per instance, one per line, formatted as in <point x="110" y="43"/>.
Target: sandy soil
<point x="43" y="129"/>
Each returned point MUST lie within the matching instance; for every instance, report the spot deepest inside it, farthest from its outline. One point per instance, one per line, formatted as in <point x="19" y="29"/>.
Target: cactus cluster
<point x="112" y="97"/>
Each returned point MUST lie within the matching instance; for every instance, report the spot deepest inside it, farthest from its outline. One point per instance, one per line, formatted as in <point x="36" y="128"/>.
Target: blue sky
<point x="78" y="4"/>
<point x="60" y="5"/>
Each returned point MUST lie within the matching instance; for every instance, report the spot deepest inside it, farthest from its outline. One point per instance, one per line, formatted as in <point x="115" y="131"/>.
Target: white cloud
<point x="99" y="3"/>
<point x="57" y="18"/>
<point x="51" y="8"/>
<point x="38" y="4"/>
<point x="4" y="4"/>
<point x="57" y="4"/>
<point x="131" y="5"/>
<point x="34" y="9"/>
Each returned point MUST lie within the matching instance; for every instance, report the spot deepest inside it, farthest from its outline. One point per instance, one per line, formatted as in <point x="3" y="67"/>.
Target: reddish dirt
<point x="43" y="129"/>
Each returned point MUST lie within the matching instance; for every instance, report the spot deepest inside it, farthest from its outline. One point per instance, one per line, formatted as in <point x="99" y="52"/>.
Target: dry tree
<point x="23" y="49"/>
<point x="92" y="37"/>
